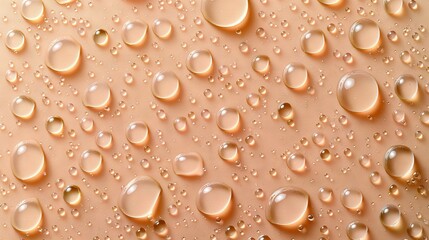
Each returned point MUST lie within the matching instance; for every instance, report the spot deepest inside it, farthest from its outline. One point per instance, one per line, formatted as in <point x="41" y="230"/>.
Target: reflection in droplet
<point x="97" y="96"/>
<point x="101" y="37"/>
<point x="399" y="162"/>
<point x="295" y="76"/>
<point x="55" y="125"/>
<point x="91" y="162"/>
<point x="331" y="2"/>
<point x="407" y="88"/>
<point x="140" y="197"/>
<point x="296" y="162"/>
<point x="288" y="207"/>
<point x="23" y="107"/>
<point x="72" y="195"/>
<point x="64" y="2"/>
<point x="64" y="55"/>
<point x="390" y="217"/>
<point x="352" y="199"/>
<point x="33" y="10"/>
<point x="415" y="230"/>
<point x="15" y="40"/>
<point x="104" y="139"/>
<point x="200" y="62"/>
<point x="87" y="124"/>
<point x="285" y="111"/>
<point x="228" y="120"/>
<point x="214" y="199"/>
<point x="226" y="14"/>
<point x="137" y="133"/>
<point x="357" y="231"/>
<point x="28" y="216"/>
<point x="166" y="86"/>
<point x="313" y="42"/>
<point x="160" y="228"/>
<point x="188" y="164"/>
<point x="394" y="7"/>
<point x="228" y="151"/>
<point x="424" y="117"/>
<point x="365" y="35"/>
<point x="180" y="124"/>
<point x="134" y="33"/>
<point x="358" y="92"/>
<point x="261" y="64"/>
<point x="28" y="161"/>
<point x="325" y="194"/>
<point x="162" y="28"/>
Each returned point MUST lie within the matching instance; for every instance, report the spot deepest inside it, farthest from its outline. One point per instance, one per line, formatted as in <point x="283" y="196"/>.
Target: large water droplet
<point x="357" y="231"/>
<point x="228" y="151"/>
<point x="200" y="62"/>
<point x="64" y="56"/>
<point x="162" y="28"/>
<point x="313" y="42"/>
<point x="28" y="161"/>
<point x="352" y="199"/>
<point x="72" y="195"/>
<point x="226" y="14"/>
<point x="15" y="40"/>
<point x="55" y="125"/>
<point x="214" y="199"/>
<point x="390" y="217"/>
<point x="91" y="162"/>
<point x="331" y="3"/>
<point x="28" y="216"/>
<point x="101" y="37"/>
<point x="228" y="120"/>
<point x="399" y="162"/>
<point x="407" y="88"/>
<point x="394" y="7"/>
<point x="97" y="96"/>
<point x="365" y="35"/>
<point x="23" y="107"/>
<point x="296" y="162"/>
<point x="295" y="76"/>
<point x="261" y="64"/>
<point x="134" y="33"/>
<point x="137" y="133"/>
<point x="188" y="164"/>
<point x="166" y="86"/>
<point x="33" y="10"/>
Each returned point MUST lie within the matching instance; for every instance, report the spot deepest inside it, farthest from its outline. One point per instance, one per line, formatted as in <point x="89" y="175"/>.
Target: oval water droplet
<point x="352" y="199"/>
<point x="200" y="62"/>
<point x="33" y="10"/>
<point x="285" y="111"/>
<point x="55" y="125"/>
<point x="134" y="33"/>
<point x="365" y="35"/>
<point x="331" y="3"/>
<point x="91" y="162"/>
<point x="214" y="199"/>
<point x="28" y="161"/>
<point x="15" y="40"/>
<point x="228" y="120"/>
<point x="64" y="55"/>
<point x="296" y="162"/>
<point x="97" y="96"/>
<point x="72" y="195"/>
<point x="101" y="37"/>
<point x="313" y="42"/>
<point x="407" y="88"/>
<point x="261" y="64"/>
<point x="390" y="217"/>
<point x="394" y="7"/>
<point x="28" y="216"/>
<point x="137" y="133"/>
<point x="104" y="139"/>
<point x="295" y="76"/>
<point x="399" y="162"/>
<point x="162" y="28"/>
<point x="188" y="164"/>
<point x="23" y="107"/>
<point x="226" y="14"/>
<point x="357" y="231"/>
<point x="166" y="86"/>
<point x="228" y="151"/>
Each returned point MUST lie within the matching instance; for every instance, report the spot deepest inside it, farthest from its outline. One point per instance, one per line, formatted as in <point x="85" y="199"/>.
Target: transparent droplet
<point x="137" y="133"/>
<point x="97" y="96"/>
<point x="226" y="14"/>
<point x="188" y="164"/>
<point x="180" y="124"/>
<point x="162" y="28"/>
<point x="160" y="228"/>
<point x="87" y="124"/>
<point x="261" y="64"/>
<point x="357" y="231"/>
<point x="33" y="10"/>
<point x="365" y="35"/>
<point x="424" y="117"/>
<point x="394" y="7"/>
<point x="415" y="230"/>
<point x="166" y="86"/>
<point x="399" y="162"/>
<point x="352" y="199"/>
<point x="285" y="111"/>
<point x="134" y="33"/>
<point x="91" y="162"/>
<point x="28" y="161"/>
<point x="214" y="199"/>
<point x="55" y="125"/>
<point x="296" y="162"/>
<point x="72" y="195"/>
<point x="64" y="55"/>
<point x="15" y="40"/>
<point x="140" y="197"/>
<point x="23" y="107"/>
<point x="390" y="217"/>
<point x="104" y="139"/>
<point x="332" y="3"/>
<point x="407" y="88"/>
<point x="228" y="151"/>
<point x="228" y="120"/>
<point x="64" y="2"/>
<point x="313" y="42"/>
<point x="295" y="76"/>
<point x="101" y="37"/>
<point x="358" y="92"/>
<point x="200" y="62"/>
<point x="27" y="218"/>
<point x="325" y="194"/>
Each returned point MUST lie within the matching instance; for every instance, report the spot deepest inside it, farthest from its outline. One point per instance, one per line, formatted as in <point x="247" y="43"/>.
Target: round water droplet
<point x="55" y="125"/>
<point x="188" y="164"/>
<point x="97" y="96"/>
<point x="104" y="139"/>
<point x="180" y="124"/>
<point x="33" y="10"/>
<point x="358" y="92"/>
<point x="101" y="37"/>
<point x="228" y="151"/>
<point x="407" y="88"/>
<point x="313" y="42"/>
<point x="28" y="161"/>
<point x="295" y="76"/>
<point x="160" y="228"/>
<point x="352" y="199"/>
<point x="166" y="86"/>
<point x="365" y="35"/>
<point x="23" y="107"/>
<point x="332" y="3"/>
<point x="253" y="99"/>
<point x="134" y="33"/>
<point x="140" y="197"/>
<point x="261" y="64"/>
<point x="325" y="194"/>
<point x="288" y="207"/>
<point x="226" y="14"/>
<point x="162" y="28"/>
<point x="72" y="195"/>
<point x="200" y="62"/>
<point x="424" y="117"/>
<point x="214" y="199"/>
<point x="87" y="124"/>
<point x="394" y="7"/>
<point x="415" y="230"/>
<point x="15" y="40"/>
<point x="64" y="2"/>
<point x="137" y="133"/>
<point x="228" y="120"/>
<point x="390" y="217"/>
<point x="296" y="162"/>
<point x="91" y="162"/>
<point x="357" y="231"/>
<point x="64" y="56"/>
<point x="28" y="216"/>
<point x="285" y="111"/>
<point x="399" y="162"/>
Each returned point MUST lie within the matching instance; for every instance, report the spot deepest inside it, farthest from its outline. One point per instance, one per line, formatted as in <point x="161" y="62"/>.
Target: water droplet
<point x="55" y="125"/>
<point x="358" y="92"/>
<point x="137" y="133"/>
<point x="296" y="162"/>
<point x="228" y="120"/>
<point x="134" y="33"/>
<point x="285" y="111"/>
<point x="23" y="107"/>
<point x="325" y="194"/>
<point x="394" y="7"/>
<point x="352" y="199"/>
<point x="101" y="37"/>
<point x="228" y="151"/>
<point x="104" y="139"/>
<point x="141" y="233"/>
<point x="226" y="14"/>
<point x="188" y="164"/>
<point x="33" y="10"/>
<point x="332" y="3"/>
<point x="424" y="117"/>
<point x="97" y="96"/>
<point x="200" y="62"/>
<point x="91" y="162"/>
<point x="295" y="76"/>
<point x="28" y="216"/>
<point x="162" y="28"/>
<point x="390" y="217"/>
<point x="231" y="232"/>
<point x="72" y="195"/>
<point x="64" y="55"/>
<point x="407" y="88"/>
<point x="15" y="40"/>
<point x="313" y="42"/>
<point x="28" y="161"/>
<point x="87" y="124"/>
<point x="160" y="228"/>
<point x="415" y="230"/>
<point x="143" y="190"/>
<point x="357" y="231"/>
<point x="64" y="2"/>
<point x="180" y="124"/>
<point x="261" y="64"/>
<point x="253" y="99"/>
<point x="288" y="207"/>
<point x="399" y="162"/>
<point x="166" y="86"/>
<point x="214" y="199"/>
<point x="365" y="35"/>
